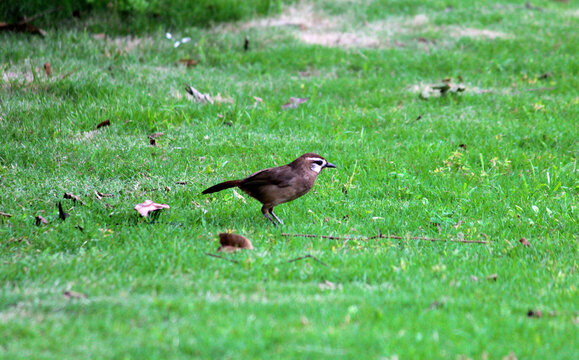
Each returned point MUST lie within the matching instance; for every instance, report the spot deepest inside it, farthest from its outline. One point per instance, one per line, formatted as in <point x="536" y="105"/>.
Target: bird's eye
<point x="318" y="162"/>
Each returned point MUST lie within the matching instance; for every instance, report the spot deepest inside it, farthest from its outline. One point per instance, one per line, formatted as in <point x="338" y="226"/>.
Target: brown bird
<point x="279" y="185"/>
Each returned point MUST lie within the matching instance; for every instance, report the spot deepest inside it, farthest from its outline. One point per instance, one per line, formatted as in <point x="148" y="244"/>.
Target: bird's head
<point x="314" y="162"/>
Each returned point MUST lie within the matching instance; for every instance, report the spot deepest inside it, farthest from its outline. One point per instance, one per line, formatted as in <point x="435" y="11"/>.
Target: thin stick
<point x="382" y="236"/>
<point x="307" y="257"/>
<point x="36" y="16"/>
<point x="223" y="258"/>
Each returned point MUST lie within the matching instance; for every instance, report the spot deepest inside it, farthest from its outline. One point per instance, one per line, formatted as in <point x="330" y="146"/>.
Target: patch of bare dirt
<point x="460" y="32"/>
<point x="308" y="24"/>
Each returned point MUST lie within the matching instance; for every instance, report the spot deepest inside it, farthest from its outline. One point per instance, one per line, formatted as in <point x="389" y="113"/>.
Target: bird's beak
<point x="330" y="165"/>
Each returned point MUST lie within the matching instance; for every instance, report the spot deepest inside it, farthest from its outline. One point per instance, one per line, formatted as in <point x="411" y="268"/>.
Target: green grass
<point x="151" y="290"/>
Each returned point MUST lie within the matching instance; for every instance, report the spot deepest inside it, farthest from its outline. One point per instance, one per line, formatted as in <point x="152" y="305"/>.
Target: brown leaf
<point x="74" y="295"/>
<point x="189" y="62"/>
<point x="148" y="207"/>
<point x="107" y="122"/>
<point x="294" y="103"/>
<point x="493" y="277"/>
<point x="234" y="240"/>
<point x="534" y="313"/>
<point x="463" y="146"/>
<point x="61" y="214"/>
<point x="39" y="221"/>
<point x="524" y="242"/>
<point x="47" y="69"/>
<point x="73" y="197"/>
<point x="5" y="214"/>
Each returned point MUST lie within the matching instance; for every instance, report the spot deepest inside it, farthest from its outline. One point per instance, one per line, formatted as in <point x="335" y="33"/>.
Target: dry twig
<point x="383" y="236"/>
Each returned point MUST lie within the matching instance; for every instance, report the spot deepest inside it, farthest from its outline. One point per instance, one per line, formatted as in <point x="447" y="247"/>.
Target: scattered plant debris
<point x="189" y="62"/>
<point x="524" y="242"/>
<point x="100" y="195"/>
<point x="107" y="122"/>
<point x="246" y="44"/>
<point x="535" y="313"/>
<point x="221" y="257"/>
<point x="25" y="25"/>
<point x="3" y="214"/>
<point x="47" y="69"/>
<point x="384" y="236"/>
<point x="40" y="221"/>
<point x="235" y="241"/>
<point x="149" y="207"/>
<point x="61" y="214"/>
<point x="328" y="285"/>
<point x="294" y="103"/>
<point x="307" y="257"/>
<point x="493" y="277"/>
<point x="152" y="142"/>
<point x="73" y="197"/>
<point x="198" y="96"/>
<point x="69" y="294"/>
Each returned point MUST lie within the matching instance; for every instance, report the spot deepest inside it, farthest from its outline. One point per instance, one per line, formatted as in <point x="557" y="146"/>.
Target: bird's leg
<point x="265" y="211"/>
<point x="275" y="216"/>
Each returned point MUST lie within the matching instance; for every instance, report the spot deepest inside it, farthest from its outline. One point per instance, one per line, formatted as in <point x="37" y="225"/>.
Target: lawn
<point x="494" y="163"/>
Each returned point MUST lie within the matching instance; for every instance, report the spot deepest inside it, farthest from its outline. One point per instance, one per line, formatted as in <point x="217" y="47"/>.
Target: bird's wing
<point x="280" y="176"/>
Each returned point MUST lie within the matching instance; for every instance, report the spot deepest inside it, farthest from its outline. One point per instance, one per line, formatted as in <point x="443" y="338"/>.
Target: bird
<point x="278" y="185"/>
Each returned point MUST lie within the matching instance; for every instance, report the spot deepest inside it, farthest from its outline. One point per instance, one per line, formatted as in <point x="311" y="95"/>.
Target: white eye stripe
<point x="316" y="159"/>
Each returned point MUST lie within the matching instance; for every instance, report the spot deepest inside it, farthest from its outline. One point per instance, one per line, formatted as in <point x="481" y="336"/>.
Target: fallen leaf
<point x="294" y="103"/>
<point x="457" y="225"/>
<point x="544" y="76"/>
<point x="438" y="90"/>
<point x="39" y="221"/>
<point x="74" y="295"/>
<point x="524" y="242"/>
<point x="534" y="313"/>
<point x="328" y="285"/>
<point x="73" y="197"/>
<point x="47" y="69"/>
<point x="234" y="240"/>
<point x="61" y="214"/>
<point x="493" y="277"/>
<point x="463" y="146"/>
<point x="156" y="135"/>
<point x="149" y="207"/>
<point x="198" y="96"/>
<point x="222" y="99"/>
<point x="100" y="195"/>
<point x="435" y="305"/>
<point x="228" y="249"/>
<point x="189" y="62"/>
<point x="238" y="196"/>
<point x="5" y="214"/>
<point x="257" y="101"/>
<point x="107" y="122"/>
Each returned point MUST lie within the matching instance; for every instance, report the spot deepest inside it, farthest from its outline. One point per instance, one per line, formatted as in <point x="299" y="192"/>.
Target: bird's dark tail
<point x="222" y="186"/>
